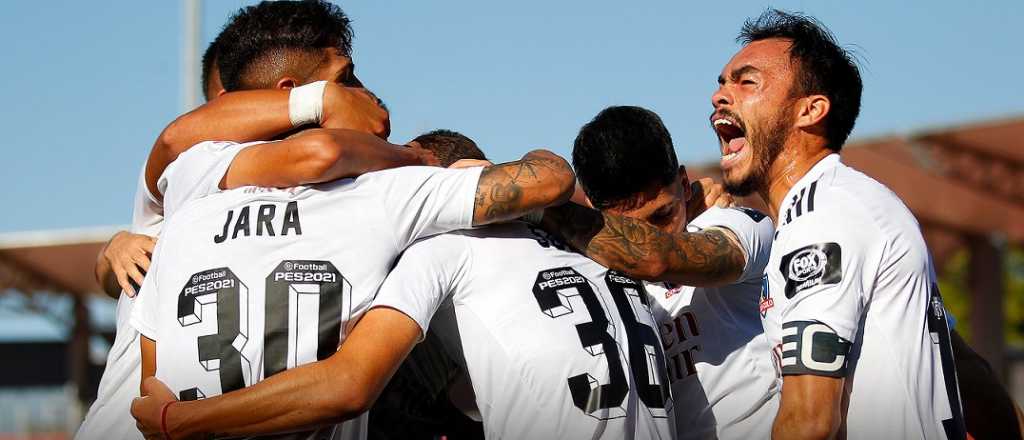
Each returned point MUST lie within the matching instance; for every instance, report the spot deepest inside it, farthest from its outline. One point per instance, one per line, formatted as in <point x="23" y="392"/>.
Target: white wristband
<point x="306" y="104"/>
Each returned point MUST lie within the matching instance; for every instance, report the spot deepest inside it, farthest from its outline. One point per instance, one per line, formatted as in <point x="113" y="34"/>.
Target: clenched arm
<point x="325" y="392"/>
<point x="253" y="115"/>
<point x="707" y="258"/>
<point x="317" y="155"/>
<point x="510" y="190"/>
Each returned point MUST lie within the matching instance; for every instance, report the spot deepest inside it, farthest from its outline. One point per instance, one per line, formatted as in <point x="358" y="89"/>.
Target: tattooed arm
<point x="710" y="257"/>
<point x="510" y="190"/>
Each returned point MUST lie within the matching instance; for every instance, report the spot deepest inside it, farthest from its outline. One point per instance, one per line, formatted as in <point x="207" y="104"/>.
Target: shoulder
<point x="740" y="220"/>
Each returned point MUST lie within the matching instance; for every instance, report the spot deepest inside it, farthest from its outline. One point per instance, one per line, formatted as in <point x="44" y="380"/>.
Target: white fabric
<point x="194" y="174"/>
<point x="269" y="268"/>
<point x="109" y="417"/>
<point x="719" y="363"/>
<point x="895" y="379"/>
<point x="521" y="355"/>
<point x="197" y="172"/>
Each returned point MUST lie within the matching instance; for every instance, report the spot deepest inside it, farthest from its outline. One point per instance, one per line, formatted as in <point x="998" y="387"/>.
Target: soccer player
<point x="555" y="345"/>
<point x="850" y="305"/>
<point x="249" y="282"/>
<point x="239" y="116"/>
<point x="415" y="403"/>
<point x="723" y="381"/>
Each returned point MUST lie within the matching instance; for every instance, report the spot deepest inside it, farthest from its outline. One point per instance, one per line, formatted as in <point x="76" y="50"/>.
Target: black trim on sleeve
<point x="811" y="347"/>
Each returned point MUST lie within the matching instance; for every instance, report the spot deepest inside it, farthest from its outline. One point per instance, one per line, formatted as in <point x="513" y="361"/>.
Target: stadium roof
<point x="55" y="261"/>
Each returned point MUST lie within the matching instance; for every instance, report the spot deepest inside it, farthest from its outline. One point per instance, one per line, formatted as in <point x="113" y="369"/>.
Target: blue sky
<point x="89" y="85"/>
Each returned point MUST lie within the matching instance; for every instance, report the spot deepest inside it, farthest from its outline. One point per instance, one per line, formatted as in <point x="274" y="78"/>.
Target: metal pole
<point x="190" y="55"/>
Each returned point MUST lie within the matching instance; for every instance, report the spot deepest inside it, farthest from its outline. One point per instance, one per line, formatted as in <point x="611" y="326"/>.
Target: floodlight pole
<point x="190" y="55"/>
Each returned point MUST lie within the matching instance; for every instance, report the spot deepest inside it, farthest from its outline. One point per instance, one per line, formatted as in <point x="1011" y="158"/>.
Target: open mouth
<point x="732" y="135"/>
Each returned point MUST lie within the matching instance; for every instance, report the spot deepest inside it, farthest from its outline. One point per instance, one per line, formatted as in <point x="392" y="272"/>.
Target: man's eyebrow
<point x="737" y="73"/>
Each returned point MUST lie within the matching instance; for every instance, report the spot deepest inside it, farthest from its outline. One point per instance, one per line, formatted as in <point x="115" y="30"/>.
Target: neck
<point x="786" y="171"/>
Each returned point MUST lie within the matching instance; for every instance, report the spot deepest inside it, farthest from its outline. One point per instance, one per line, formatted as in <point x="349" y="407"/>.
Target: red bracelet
<point x="163" y="419"/>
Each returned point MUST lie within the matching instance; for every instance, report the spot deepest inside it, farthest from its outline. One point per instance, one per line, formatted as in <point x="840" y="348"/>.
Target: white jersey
<point x="195" y="173"/>
<point x="249" y="282"/>
<point x="719" y="362"/>
<point x="556" y="346"/>
<point x="852" y="293"/>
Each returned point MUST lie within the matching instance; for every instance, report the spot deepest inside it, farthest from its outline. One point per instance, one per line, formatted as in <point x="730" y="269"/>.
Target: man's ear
<point x="812" y="110"/>
<point x="287" y="83"/>
<point x="684" y="181"/>
<point x="221" y="92"/>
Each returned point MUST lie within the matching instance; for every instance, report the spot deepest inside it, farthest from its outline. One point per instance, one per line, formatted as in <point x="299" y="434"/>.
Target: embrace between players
<point x="301" y="257"/>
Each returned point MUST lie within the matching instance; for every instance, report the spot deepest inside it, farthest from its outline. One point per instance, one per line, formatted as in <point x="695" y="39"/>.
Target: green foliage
<point x="955" y="293"/>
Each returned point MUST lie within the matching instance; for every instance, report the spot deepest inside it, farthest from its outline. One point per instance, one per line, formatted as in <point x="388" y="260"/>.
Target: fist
<point x="354" y="108"/>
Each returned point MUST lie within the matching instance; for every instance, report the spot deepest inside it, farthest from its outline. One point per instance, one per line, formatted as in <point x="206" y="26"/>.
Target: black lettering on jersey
<point x="265" y="217"/>
<point x="266" y="213"/>
<point x="242" y="224"/>
<point x="815" y="265"/>
<point x="754" y="214"/>
<point x="291" y="219"/>
<point x="803" y="202"/>
<point x="810" y="347"/>
<point x="546" y="239"/>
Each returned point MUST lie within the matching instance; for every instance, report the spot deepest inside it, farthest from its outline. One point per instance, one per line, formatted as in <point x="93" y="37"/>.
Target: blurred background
<point x="90" y="85"/>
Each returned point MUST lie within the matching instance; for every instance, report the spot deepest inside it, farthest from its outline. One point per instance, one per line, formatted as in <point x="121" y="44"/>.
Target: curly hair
<point x="285" y="35"/>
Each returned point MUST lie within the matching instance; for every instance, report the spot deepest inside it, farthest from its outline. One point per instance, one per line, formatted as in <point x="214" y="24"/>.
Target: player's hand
<point x="355" y="109"/>
<point x="128" y="255"/>
<point x="148" y="408"/>
<point x="705" y="193"/>
<point x="470" y="163"/>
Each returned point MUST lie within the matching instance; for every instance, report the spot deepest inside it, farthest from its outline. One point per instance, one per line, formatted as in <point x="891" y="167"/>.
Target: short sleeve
<point x="427" y="273"/>
<point x="752" y="228"/>
<point x="197" y="173"/>
<point x="144" y="310"/>
<point x="828" y="270"/>
<point x="147" y="212"/>
<point x="423" y="201"/>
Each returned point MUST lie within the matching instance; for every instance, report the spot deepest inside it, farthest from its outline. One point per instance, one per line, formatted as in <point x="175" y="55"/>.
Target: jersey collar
<point x="826" y="163"/>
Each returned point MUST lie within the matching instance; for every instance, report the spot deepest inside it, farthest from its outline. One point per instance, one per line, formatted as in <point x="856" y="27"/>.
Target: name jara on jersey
<point x="266" y="217"/>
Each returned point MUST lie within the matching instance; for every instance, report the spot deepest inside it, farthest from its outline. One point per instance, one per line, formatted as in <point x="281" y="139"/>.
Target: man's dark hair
<point x="260" y="42"/>
<point x="623" y="152"/>
<point x="209" y="58"/>
<point x="825" y="68"/>
<point x="449" y="146"/>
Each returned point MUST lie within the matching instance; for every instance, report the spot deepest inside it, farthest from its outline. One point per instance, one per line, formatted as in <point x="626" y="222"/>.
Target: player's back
<point x="556" y="345"/>
<point x="253" y="281"/>
<point x="902" y="378"/>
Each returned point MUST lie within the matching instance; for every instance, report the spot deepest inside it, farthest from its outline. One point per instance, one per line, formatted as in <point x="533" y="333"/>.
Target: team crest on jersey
<point x="766" y="297"/>
<point x="814" y="265"/>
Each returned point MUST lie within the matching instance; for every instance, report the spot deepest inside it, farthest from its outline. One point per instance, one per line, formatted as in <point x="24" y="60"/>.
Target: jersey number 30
<point x="293" y="291"/>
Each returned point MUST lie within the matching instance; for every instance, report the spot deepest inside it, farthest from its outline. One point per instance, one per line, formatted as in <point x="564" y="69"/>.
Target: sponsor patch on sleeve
<point x="815" y="265"/>
<point x="810" y="347"/>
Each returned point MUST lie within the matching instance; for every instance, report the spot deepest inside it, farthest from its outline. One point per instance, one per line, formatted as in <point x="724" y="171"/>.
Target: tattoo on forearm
<point x="632" y="246"/>
<point x="504" y="190"/>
